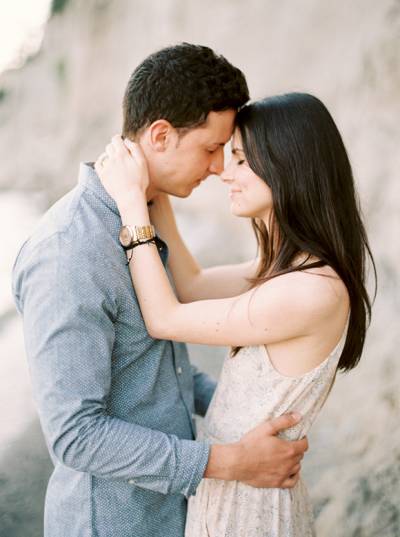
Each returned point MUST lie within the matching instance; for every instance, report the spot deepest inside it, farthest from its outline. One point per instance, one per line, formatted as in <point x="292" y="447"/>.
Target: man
<point x="116" y="406"/>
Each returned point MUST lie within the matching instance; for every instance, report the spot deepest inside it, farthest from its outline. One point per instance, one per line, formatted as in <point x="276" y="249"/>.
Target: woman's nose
<point x="227" y="175"/>
<point x="224" y="177"/>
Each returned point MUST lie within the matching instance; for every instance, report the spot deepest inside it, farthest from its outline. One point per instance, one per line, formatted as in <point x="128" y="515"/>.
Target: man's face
<point x="189" y="159"/>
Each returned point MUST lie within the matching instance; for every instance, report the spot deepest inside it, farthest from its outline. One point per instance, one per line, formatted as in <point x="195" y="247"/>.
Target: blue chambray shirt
<point x="115" y="405"/>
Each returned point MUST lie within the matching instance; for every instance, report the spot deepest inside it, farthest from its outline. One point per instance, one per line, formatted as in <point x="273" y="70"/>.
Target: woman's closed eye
<point x="236" y="154"/>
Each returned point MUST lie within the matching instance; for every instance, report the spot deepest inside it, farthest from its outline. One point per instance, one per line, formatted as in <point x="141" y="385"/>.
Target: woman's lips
<point x="233" y="192"/>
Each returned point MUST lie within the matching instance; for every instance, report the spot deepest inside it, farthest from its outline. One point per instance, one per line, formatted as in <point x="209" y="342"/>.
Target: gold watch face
<point x="125" y="236"/>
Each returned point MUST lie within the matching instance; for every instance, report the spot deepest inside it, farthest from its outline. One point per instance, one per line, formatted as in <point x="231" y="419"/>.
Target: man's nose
<point x="217" y="163"/>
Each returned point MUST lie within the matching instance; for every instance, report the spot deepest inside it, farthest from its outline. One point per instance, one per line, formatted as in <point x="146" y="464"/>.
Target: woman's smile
<point x="233" y="191"/>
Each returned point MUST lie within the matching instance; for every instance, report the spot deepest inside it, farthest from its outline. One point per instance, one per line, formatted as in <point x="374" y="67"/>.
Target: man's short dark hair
<point x="181" y="84"/>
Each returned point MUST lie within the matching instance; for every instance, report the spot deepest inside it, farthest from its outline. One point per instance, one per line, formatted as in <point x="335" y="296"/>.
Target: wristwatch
<point x="131" y="235"/>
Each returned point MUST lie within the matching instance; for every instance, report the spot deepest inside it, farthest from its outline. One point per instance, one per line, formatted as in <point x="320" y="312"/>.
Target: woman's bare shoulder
<point x="317" y="291"/>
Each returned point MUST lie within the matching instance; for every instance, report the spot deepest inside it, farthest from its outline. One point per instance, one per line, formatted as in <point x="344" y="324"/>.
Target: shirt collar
<point x="89" y="179"/>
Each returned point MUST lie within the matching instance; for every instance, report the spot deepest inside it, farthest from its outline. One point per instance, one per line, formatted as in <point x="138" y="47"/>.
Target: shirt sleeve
<point x="68" y="317"/>
<point x="204" y="388"/>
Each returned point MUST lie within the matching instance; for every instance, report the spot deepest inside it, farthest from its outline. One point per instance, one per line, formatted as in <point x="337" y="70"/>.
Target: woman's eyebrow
<point x="236" y="150"/>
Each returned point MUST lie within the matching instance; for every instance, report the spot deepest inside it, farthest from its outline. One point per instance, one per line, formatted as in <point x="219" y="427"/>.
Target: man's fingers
<point x="283" y="422"/>
<point x="300" y="446"/>
<point x="298" y="458"/>
<point x="291" y="481"/>
<point x="295" y="470"/>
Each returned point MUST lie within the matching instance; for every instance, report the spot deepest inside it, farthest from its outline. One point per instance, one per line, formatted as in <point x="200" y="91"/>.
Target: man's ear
<point x="161" y="134"/>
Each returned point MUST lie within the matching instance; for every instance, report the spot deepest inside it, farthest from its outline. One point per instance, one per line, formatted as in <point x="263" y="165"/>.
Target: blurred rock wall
<point x="65" y="103"/>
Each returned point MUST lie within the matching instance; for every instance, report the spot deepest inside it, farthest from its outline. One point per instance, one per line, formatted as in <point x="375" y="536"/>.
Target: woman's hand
<point x="122" y="169"/>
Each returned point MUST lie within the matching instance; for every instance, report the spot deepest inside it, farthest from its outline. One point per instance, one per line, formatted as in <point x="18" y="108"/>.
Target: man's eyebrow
<point x="219" y="144"/>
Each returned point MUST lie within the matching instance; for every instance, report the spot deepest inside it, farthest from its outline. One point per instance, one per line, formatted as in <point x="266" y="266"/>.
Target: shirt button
<point x="179" y="370"/>
<point x="131" y="481"/>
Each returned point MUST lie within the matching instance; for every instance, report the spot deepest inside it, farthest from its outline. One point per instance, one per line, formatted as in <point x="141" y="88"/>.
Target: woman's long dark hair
<point x="293" y="144"/>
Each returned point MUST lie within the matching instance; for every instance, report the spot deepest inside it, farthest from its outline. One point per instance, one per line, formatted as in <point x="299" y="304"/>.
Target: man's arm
<point x="260" y="458"/>
<point x="69" y="338"/>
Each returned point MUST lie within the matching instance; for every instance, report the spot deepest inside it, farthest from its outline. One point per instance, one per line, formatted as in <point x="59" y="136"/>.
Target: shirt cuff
<point x="192" y="459"/>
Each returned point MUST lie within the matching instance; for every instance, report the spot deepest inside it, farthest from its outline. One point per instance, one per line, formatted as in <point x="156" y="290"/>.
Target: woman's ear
<point x="161" y="134"/>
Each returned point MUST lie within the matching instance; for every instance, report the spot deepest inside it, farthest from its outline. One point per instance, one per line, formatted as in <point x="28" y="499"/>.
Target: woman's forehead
<point x="236" y="140"/>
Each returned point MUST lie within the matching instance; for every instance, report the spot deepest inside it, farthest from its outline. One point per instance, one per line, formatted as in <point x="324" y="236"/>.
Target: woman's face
<point x="250" y="196"/>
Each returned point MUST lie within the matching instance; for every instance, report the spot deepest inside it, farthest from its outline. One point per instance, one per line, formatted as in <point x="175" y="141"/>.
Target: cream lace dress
<point x="251" y="390"/>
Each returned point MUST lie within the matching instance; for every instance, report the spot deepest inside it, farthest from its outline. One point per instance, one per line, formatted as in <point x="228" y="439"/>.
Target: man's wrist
<point x="224" y="462"/>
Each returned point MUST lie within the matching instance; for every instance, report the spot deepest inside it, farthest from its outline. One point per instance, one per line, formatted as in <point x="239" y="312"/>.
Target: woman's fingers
<point x="101" y="159"/>
<point x="121" y="145"/>
<point x="137" y="152"/>
<point x="121" y="167"/>
<point x="99" y="162"/>
<point x="110" y="150"/>
<point x="128" y="143"/>
<point x="118" y="144"/>
<point x="126" y="147"/>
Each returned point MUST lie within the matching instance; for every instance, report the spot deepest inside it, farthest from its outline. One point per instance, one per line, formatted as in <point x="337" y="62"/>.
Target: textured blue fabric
<point x="115" y="405"/>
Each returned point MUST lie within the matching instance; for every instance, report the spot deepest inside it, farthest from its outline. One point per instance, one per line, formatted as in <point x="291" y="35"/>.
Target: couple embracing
<point x="105" y="326"/>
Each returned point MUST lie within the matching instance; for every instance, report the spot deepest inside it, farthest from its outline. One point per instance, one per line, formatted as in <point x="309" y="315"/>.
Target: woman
<point x="292" y="317"/>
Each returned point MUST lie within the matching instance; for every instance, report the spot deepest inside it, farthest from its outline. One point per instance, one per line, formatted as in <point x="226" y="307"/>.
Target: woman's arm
<point x="280" y="309"/>
<point x="192" y="282"/>
<point x="276" y="311"/>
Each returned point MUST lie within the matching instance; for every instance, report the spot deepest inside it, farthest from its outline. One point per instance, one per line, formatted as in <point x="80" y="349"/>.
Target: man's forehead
<point x="221" y="123"/>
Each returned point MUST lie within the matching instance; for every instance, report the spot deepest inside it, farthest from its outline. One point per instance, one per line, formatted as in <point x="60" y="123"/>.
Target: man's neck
<point x="151" y="192"/>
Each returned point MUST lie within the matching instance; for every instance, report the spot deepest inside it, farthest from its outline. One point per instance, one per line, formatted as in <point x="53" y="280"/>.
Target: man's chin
<point x="181" y="193"/>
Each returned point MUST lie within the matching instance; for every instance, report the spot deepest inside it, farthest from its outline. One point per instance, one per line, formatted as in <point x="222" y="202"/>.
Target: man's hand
<point x="260" y="459"/>
<point x="269" y="461"/>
